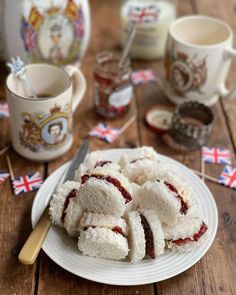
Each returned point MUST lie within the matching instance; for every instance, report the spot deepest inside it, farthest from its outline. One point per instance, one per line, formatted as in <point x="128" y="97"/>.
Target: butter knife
<point x="33" y="244"/>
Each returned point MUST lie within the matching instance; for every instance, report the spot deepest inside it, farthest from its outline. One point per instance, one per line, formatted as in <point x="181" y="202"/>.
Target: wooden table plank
<point x="15" y="221"/>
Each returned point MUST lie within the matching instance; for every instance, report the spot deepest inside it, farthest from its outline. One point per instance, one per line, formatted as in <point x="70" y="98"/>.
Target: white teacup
<point x="198" y="56"/>
<point x="41" y="129"/>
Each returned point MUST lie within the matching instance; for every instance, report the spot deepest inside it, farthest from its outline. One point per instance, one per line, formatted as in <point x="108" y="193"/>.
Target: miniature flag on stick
<point x="3" y="176"/>
<point x="108" y="133"/>
<point x="143" y="76"/>
<point x="216" y="155"/>
<point x="228" y="177"/>
<point x="4" y="111"/>
<point x="26" y="183"/>
<point x="105" y="132"/>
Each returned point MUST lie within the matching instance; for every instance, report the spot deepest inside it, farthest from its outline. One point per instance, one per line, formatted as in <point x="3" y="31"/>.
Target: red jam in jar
<point x="113" y="91"/>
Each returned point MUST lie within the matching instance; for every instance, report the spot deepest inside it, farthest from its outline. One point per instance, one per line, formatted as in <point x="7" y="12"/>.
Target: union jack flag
<point x="143" y="15"/>
<point x="27" y="183"/>
<point x="228" y="177"/>
<point x="216" y="155"/>
<point x="4" y="111"/>
<point x="143" y="76"/>
<point x="105" y="132"/>
<point x="3" y="176"/>
<point x="29" y="35"/>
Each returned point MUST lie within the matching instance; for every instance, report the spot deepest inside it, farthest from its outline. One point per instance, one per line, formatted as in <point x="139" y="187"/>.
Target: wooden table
<point x="215" y="273"/>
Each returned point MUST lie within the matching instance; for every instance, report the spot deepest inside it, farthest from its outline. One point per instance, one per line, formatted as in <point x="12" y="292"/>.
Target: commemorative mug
<point x="55" y="32"/>
<point x="41" y="128"/>
<point x="198" y="57"/>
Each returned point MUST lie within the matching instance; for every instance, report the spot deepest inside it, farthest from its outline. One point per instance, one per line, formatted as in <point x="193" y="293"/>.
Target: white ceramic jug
<point x="52" y="31"/>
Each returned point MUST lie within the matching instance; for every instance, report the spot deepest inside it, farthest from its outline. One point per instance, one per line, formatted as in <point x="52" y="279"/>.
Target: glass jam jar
<point x="113" y="89"/>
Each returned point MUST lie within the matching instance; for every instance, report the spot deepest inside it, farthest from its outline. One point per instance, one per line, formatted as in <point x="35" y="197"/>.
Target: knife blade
<point x="78" y="159"/>
<point x="33" y="244"/>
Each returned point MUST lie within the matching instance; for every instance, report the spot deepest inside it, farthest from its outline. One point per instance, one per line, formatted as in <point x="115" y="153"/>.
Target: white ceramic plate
<point x="61" y="249"/>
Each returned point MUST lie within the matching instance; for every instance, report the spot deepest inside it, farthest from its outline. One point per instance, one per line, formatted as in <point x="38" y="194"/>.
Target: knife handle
<point x="32" y="246"/>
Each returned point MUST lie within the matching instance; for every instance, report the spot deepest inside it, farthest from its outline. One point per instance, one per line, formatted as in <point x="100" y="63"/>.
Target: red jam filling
<point x="126" y="195"/>
<point x="149" y="240"/>
<point x="101" y="163"/>
<point x="71" y="195"/>
<point x="118" y="230"/>
<point x="195" y="238"/>
<point x="184" y="206"/>
<point x="84" y="178"/>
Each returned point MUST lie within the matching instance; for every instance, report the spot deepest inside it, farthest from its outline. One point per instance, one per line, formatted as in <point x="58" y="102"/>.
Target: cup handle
<point x="223" y="91"/>
<point x="78" y="83"/>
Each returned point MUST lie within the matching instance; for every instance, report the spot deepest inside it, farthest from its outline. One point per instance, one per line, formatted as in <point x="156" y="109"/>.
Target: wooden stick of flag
<point x="2" y="151"/>
<point x="128" y="123"/>
<point x="10" y="168"/>
<point x="208" y="177"/>
<point x="203" y="169"/>
<point x="10" y="171"/>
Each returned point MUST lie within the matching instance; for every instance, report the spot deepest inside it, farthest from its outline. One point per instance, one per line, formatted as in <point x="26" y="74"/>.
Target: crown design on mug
<point x="55" y="109"/>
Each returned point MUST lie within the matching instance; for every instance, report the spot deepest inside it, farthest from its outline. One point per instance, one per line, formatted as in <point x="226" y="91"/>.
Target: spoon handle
<point x="128" y="45"/>
<point x="29" y="85"/>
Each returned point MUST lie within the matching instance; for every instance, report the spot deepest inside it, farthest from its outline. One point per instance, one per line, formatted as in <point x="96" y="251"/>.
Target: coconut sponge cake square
<point x="103" y="243"/>
<point x="138" y="154"/>
<point x="170" y="196"/>
<point x="146" y="237"/>
<point x="103" y="236"/>
<point x="186" y="234"/>
<point x="137" y="161"/>
<point x="92" y="161"/>
<point x="117" y="225"/>
<point x="105" y="191"/>
<point x="73" y="214"/>
<point x="60" y="201"/>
